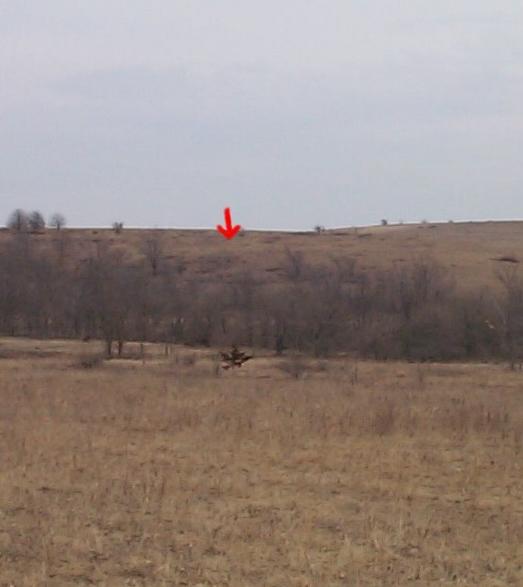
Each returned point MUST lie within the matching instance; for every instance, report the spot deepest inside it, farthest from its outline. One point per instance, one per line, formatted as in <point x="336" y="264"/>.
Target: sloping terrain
<point x="470" y="250"/>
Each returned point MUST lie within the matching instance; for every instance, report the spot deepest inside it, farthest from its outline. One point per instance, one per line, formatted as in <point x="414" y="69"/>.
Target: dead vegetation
<point x="165" y="473"/>
<point x="306" y="298"/>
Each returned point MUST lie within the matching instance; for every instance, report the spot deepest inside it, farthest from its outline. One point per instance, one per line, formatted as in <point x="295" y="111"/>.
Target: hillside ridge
<point x="470" y="250"/>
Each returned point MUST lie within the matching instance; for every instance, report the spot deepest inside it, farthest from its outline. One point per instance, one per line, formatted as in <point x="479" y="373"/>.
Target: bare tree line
<point x="413" y="312"/>
<point x="22" y="221"/>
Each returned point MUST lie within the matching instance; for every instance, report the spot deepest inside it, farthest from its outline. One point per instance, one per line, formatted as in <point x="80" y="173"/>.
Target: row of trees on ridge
<point x="413" y="312"/>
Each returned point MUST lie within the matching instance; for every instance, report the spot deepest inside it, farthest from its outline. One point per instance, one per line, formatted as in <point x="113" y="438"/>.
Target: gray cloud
<point x="162" y="114"/>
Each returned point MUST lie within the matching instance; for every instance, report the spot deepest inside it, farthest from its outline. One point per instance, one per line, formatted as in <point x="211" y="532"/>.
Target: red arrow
<point x="229" y="231"/>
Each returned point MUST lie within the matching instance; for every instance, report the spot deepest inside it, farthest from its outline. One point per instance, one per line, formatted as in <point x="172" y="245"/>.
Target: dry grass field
<point x="284" y="473"/>
<point x="468" y="249"/>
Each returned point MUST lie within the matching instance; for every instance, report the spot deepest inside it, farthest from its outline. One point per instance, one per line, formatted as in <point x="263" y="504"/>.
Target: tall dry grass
<point x="164" y="473"/>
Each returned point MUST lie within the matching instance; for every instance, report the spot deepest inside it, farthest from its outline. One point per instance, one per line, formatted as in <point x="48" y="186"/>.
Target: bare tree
<point x="153" y="251"/>
<point x="18" y="220"/>
<point x="57" y="221"/>
<point x="36" y="221"/>
<point x="511" y="313"/>
<point x="107" y="293"/>
<point x="118" y="227"/>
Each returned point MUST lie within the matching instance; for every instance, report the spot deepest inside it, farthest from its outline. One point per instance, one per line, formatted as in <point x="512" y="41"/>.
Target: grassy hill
<point x="471" y="250"/>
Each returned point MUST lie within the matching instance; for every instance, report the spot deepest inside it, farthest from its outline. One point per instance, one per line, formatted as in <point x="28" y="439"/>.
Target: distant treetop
<point x="18" y="220"/>
<point x="36" y="221"/>
<point x="21" y="221"/>
<point x="57" y="221"/>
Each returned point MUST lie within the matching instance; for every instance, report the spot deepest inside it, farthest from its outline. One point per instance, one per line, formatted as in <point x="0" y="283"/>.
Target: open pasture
<point x="167" y="471"/>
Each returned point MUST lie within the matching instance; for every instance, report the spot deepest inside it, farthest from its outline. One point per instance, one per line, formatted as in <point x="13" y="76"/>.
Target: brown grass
<point x="471" y="250"/>
<point x="173" y="473"/>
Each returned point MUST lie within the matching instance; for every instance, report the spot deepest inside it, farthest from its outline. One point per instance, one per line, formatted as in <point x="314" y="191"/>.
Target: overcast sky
<point x="292" y="112"/>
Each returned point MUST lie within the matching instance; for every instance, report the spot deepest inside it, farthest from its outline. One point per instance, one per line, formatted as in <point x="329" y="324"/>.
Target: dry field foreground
<point x="166" y="473"/>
